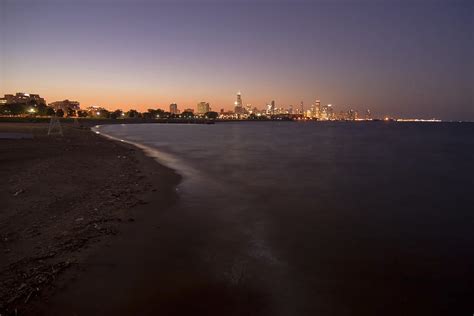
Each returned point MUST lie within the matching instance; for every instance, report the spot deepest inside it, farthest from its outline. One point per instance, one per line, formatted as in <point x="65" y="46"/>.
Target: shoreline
<point x="147" y="151"/>
<point x="64" y="199"/>
<point x="163" y="158"/>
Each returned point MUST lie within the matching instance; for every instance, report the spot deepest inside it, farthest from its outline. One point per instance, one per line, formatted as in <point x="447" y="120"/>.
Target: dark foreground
<point x="375" y="220"/>
<point x="62" y="199"/>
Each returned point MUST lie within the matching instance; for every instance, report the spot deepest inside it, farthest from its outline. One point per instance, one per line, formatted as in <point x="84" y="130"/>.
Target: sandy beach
<point x="64" y="198"/>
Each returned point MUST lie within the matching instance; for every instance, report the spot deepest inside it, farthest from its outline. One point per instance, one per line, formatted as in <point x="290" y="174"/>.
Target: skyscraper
<point x="203" y="107"/>
<point x="271" y="108"/>
<point x="174" y="108"/>
<point x="239" y="109"/>
<point x="326" y="112"/>
<point x="239" y="99"/>
<point x="317" y="109"/>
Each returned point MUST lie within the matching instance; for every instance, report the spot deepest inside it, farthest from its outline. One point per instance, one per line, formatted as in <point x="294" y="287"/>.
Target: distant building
<point x="203" y="107"/>
<point x="174" y="108"/>
<point x="65" y="105"/>
<point x="316" y="110"/>
<point x="189" y="110"/>
<point x="248" y="109"/>
<point x="290" y="109"/>
<point x="352" y="115"/>
<point x="95" y="111"/>
<point x="326" y="112"/>
<point x="330" y="112"/>
<point x="279" y="111"/>
<point x="368" y="115"/>
<point x="23" y="98"/>
<point x="228" y="115"/>
<point x="6" y="99"/>
<point x="239" y="109"/>
<point x="312" y="111"/>
<point x="271" y="108"/>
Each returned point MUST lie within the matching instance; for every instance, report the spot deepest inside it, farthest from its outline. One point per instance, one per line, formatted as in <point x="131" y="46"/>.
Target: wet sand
<point x="63" y="200"/>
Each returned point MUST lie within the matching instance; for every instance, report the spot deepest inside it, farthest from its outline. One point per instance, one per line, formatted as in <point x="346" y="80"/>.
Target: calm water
<point x="328" y="218"/>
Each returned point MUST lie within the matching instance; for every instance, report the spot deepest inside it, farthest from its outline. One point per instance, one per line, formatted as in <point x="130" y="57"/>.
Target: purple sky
<point x="404" y="58"/>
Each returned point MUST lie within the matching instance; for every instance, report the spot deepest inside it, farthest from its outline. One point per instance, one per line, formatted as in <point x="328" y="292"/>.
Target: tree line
<point x="32" y="109"/>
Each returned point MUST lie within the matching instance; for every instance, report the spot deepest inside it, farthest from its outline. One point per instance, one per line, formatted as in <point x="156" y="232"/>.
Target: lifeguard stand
<point x="55" y="126"/>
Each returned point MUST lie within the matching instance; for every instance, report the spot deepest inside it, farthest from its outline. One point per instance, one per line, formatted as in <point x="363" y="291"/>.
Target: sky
<point x="402" y="58"/>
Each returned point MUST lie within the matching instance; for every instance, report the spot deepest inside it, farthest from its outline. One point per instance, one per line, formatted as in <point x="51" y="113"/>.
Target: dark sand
<point x="76" y="192"/>
<point x="63" y="200"/>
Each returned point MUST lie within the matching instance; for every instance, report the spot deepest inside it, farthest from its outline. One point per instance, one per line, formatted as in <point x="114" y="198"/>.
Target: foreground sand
<point x="61" y="198"/>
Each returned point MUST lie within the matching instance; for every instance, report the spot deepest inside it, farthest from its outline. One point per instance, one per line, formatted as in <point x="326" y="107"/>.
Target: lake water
<point x="326" y="218"/>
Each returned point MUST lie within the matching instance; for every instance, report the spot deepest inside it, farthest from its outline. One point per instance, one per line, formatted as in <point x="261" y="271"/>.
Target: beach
<point x="344" y="222"/>
<point x="63" y="198"/>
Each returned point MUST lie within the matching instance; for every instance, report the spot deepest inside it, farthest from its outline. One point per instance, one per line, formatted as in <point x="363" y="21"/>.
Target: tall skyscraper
<point x="301" y="108"/>
<point x="312" y="111"/>
<point x="174" y="108"/>
<point x="317" y="109"/>
<point x="239" y="109"/>
<point x="238" y="102"/>
<point x="203" y="107"/>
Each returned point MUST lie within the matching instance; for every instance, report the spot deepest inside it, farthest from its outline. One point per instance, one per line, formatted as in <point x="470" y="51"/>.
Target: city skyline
<point x="401" y="58"/>
<point x="26" y="104"/>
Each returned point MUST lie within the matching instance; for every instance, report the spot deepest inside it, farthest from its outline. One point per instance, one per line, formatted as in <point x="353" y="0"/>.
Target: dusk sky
<point x="402" y="58"/>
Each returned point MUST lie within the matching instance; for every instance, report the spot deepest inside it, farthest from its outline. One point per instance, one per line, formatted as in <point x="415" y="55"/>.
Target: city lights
<point x="316" y="111"/>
